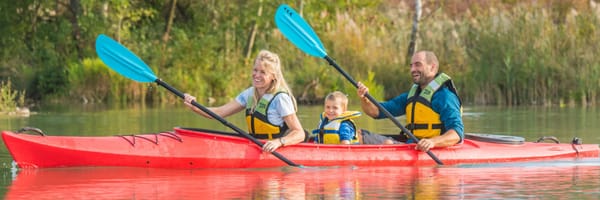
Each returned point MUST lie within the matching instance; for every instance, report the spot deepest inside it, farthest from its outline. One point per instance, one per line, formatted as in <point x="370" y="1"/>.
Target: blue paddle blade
<point x="123" y="61"/>
<point x="297" y="31"/>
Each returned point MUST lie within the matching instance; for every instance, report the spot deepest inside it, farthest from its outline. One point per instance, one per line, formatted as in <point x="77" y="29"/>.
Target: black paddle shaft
<point x="380" y="107"/>
<point x="224" y="122"/>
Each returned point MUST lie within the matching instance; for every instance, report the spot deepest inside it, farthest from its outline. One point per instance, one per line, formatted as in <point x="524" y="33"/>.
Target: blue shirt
<point x="346" y="131"/>
<point x="444" y="102"/>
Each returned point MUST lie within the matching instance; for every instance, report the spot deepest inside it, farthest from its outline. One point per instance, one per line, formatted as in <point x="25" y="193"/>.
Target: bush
<point x="10" y="99"/>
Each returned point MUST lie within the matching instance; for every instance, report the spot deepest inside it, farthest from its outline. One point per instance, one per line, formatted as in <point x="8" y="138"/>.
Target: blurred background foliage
<point x="499" y="52"/>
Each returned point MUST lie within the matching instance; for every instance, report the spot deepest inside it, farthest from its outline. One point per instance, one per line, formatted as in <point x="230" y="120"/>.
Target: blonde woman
<point x="269" y="104"/>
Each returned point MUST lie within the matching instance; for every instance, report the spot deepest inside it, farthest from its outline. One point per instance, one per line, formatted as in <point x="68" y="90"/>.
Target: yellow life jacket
<point x="329" y="131"/>
<point x="421" y="119"/>
<point x="258" y="121"/>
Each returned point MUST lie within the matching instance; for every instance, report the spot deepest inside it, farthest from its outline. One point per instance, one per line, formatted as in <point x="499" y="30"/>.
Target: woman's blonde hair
<point x="272" y="64"/>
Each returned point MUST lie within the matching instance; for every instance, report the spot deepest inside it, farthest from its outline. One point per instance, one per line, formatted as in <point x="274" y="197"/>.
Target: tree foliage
<point x="498" y="52"/>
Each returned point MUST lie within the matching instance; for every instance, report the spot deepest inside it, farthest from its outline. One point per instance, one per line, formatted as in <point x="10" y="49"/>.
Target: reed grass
<point x="500" y="53"/>
<point x="10" y="99"/>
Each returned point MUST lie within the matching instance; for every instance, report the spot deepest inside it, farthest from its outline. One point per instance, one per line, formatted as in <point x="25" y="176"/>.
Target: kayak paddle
<point x="126" y="63"/>
<point x="299" y="32"/>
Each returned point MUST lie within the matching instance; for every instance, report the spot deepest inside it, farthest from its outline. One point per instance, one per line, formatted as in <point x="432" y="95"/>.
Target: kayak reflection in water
<point x="269" y="104"/>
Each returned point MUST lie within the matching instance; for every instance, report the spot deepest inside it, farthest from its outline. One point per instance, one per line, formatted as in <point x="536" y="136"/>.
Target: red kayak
<point x="198" y="148"/>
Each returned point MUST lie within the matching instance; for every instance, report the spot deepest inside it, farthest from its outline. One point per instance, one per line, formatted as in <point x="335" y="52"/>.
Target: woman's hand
<point x="187" y="100"/>
<point x="272" y="145"/>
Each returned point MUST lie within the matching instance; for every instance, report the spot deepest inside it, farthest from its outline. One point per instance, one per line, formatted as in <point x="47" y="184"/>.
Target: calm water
<point x="539" y="180"/>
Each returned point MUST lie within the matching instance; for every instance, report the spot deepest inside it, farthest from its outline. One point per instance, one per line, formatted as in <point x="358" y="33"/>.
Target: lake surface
<point x="563" y="179"/>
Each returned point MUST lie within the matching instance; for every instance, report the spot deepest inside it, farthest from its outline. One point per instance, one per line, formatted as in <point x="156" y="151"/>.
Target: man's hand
<point x="424" y="145"/>
<point x="362" y="90"/>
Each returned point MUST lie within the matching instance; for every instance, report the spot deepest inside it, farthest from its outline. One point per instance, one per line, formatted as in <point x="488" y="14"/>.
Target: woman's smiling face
<point x="261" y="77"/>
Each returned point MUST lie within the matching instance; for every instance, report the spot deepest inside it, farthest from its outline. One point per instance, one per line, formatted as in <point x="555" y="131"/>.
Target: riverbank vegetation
<point x="11" y="101"/>
<point x="498" y="52"/>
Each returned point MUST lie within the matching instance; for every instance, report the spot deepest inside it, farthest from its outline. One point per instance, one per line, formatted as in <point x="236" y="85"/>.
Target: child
<point x="337" y="127"/>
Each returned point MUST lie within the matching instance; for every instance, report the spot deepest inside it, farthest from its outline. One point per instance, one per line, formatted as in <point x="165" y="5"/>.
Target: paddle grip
<point x="380" y="107"/>
<point x="224" y="122"/>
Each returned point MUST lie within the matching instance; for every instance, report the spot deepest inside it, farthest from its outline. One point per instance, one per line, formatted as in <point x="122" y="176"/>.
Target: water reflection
<point x="464" y="182"/>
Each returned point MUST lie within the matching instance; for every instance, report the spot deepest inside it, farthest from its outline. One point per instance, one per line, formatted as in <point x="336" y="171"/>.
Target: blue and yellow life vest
<point x="422" y="120"/>
<point x="258" y="120"/>
<point x="329" y="131"/>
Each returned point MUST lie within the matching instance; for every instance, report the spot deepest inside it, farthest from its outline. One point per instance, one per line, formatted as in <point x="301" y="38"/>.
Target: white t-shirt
<point x="280" y="107"/>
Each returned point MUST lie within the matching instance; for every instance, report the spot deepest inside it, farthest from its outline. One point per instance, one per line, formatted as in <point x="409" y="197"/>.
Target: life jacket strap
<point x="423" y="126"/>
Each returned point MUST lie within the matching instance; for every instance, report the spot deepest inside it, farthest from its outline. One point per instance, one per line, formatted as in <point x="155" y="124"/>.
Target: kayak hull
<point x="197" y="148"/>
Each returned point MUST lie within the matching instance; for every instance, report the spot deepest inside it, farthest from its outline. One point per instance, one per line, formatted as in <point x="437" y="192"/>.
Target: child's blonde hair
<point x="338" y="95"/>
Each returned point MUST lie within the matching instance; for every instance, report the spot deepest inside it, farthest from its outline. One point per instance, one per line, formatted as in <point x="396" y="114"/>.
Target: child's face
<point x="333" y="108"/>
